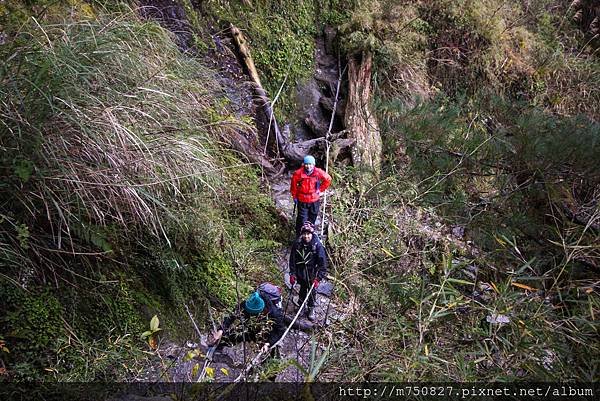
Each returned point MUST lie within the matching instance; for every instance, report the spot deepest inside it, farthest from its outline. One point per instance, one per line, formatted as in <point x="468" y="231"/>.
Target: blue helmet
<point x="308" y="159"/>
<point x="254" y="304"/>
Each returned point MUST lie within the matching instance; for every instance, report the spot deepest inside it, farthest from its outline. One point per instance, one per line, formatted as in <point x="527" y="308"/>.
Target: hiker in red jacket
<point x="307" y="184"/>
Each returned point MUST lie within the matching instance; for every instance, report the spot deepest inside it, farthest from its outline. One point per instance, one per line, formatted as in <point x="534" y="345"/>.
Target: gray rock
<point x="325" y="288"/>
<point x="458" y="231"/>
<point x="308" y="97"/>
<point x="329" y="34"/>
<point x="497" y="319"/>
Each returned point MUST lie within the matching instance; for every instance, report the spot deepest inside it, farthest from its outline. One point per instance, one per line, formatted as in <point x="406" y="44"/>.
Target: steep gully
<point x="316" y="106"/>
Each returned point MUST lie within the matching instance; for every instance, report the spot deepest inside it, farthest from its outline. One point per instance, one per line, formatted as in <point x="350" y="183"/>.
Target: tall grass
<point x="120" y="194"/>
<point x="103" y="123"/>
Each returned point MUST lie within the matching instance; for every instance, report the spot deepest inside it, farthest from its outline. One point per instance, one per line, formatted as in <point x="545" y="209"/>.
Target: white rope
<point x="206" y="361"/>
<point x="337" y="91"/>
<point x="193" y="321"/>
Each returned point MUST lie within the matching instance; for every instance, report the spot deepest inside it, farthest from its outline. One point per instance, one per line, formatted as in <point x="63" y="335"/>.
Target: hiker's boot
<point x="311" y="314"/>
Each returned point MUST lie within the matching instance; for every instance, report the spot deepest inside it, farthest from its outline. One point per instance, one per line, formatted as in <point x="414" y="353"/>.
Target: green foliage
<point x="281" y="39"/>
<point x="500" y="169"/>
<point x="94" y="310"/>
<point x="395" y="33"/>
<point x="529" y="53"/>
<point x="118" y="191"/>
<point x="335" y="12"/>
<point x="217" y="275"/>
<point x="312" y="371"/>
<point x="505" y="171"/>
<point x="23" y="235"/>
<point x="32" y="318"/>
<point x="433" y="325"/>
<point x="150" y="334"/>
<point x="115" y="358"/>
<point x="199" y="28"/>
<point x="488" y="111"/>
<point x="250" y="204"/>
<point x="510" y="158"/>
<point x="32" y="326"/>
<point x="23" y="169"/>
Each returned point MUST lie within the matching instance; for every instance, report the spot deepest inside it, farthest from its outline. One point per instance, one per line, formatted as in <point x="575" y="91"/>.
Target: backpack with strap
<point x="271" y="291"/>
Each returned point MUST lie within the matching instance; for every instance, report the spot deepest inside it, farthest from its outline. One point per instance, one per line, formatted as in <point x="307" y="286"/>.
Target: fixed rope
<point x="337" y="91"/>
<point x="263" y="354"/>
<point x="328" y="144"/>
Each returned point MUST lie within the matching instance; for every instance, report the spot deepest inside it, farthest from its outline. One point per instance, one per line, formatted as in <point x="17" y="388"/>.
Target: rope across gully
<point x="264" y="353"/>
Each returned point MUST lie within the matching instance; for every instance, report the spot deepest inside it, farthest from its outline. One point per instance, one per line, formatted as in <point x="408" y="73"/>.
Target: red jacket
<point x="306" y="188"/>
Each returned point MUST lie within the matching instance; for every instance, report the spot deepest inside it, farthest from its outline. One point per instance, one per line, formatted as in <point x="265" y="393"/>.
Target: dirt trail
<point x="228" y="362"/>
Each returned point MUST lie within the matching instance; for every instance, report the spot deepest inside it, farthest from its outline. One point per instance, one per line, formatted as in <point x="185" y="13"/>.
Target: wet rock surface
<point x="316" y="97"/>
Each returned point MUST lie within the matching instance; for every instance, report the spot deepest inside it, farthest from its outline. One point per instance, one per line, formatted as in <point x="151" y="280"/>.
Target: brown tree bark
<point x="359" y="118"/>
<point x="244" y="52"/>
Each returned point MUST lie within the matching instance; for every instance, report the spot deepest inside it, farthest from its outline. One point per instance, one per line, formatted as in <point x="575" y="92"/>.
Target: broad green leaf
<point x="210" y="372"/>
<point x="146" y="334"/>
<point x="191" y="355"/>
<point x="195" y="370"/>
<point x="225" y="371"/>
<point x="154" y="323"/>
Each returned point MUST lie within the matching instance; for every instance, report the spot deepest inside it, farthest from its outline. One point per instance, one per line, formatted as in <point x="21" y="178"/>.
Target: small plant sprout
<point x="150" y="334"/>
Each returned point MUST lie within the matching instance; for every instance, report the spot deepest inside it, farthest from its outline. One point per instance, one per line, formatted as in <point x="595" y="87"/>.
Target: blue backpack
<point x="272" y="292"/>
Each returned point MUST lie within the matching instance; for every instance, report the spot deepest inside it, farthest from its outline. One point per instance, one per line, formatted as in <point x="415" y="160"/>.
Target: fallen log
<point x="293" y="152"/>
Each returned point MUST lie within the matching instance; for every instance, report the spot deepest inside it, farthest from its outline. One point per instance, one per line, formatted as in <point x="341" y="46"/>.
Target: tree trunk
<point x="359" y="119"/>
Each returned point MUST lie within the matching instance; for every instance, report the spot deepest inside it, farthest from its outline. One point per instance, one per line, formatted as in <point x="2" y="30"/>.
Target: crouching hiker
<point x="258" y="319"/>
<point x="307" y="265"/>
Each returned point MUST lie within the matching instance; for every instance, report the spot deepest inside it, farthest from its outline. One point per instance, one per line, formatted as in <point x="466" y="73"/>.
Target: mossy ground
<point x="281" y="36"/>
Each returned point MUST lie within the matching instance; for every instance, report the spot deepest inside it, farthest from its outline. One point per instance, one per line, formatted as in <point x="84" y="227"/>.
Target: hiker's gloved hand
<point x="265" y="348"/>
<point x="216" y="337"/>
<point x="292" y="280"/>
<point x="316" y="283"/>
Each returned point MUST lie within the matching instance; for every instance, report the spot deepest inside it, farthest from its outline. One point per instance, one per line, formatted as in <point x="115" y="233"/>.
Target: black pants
<point x="306" y="212"/>
<point x="304" y="287"/>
